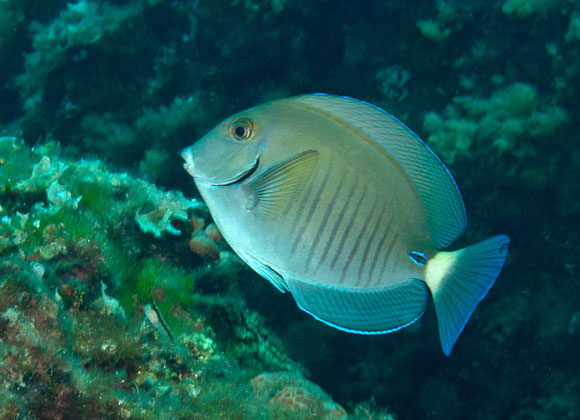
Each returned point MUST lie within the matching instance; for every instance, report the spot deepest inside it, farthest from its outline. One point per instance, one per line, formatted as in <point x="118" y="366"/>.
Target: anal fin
<point x="378" y="311"/>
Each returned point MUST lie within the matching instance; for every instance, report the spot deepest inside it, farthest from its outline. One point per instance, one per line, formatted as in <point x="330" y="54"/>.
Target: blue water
<point x="492" y="87"/>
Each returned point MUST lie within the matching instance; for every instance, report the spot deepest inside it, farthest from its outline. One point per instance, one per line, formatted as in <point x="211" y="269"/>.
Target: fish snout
<point x="187" y="155"/>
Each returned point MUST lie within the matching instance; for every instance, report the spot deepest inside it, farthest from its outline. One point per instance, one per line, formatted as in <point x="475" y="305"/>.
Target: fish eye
<point x="242" y="130"/>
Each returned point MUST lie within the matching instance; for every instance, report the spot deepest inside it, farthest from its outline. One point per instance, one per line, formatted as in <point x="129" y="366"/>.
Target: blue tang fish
<point x="340" y="204"/>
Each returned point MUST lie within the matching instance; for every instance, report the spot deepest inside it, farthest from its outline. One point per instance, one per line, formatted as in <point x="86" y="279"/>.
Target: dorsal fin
<point x="435" y="185"/>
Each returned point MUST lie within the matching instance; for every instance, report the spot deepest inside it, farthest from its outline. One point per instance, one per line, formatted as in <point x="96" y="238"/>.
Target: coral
<point x="451" y="17"/>
<point x="74" y="282"/>
<point x="513" y="120"/>
<point x="393" y="81"/>
<point x="295" y="397"/>
<point x="523" y="8"/>
<point x="431" y="29"/>
<point x="204" y="247"/>
<point x="368" y="411"/>
<point x="151" y="128"/>
<point x="11" y="17"/>
<point x="82" y="23"/>
<point x="574" y="323"/>
<point x="206" y="242"/>
<point x="168" y="207"/>
<point x="494" y="90"/>
<point x="213" y="233"/>
<point x="573" y="33"/>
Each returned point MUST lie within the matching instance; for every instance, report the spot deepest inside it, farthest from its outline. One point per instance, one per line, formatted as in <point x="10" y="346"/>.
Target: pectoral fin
<point x="271" y="191"/>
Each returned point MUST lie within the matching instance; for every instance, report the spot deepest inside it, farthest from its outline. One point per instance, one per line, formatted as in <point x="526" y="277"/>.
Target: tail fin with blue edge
<point x="459" y="280"/>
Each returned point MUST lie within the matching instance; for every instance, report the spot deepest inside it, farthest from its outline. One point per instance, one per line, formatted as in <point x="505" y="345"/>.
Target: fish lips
<point x="189" y="166"/>
<point x="242" y="176"/>
<point x="187" y="156"/>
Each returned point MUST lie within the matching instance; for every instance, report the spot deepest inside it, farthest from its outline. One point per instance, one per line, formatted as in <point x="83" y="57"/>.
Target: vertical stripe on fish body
<point x="339" y="203"/>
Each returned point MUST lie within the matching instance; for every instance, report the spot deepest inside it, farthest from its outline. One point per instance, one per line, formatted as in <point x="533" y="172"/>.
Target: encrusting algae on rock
<point x="84" y="291"/>
<point x="131" y="82"/>
<point x="294" y="396"/>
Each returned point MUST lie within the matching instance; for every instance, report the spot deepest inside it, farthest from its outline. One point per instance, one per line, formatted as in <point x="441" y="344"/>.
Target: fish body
<point x="341" y="204"/>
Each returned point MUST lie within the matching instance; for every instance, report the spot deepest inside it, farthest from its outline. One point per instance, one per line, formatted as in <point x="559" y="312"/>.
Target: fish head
<point x="229" y="153"/>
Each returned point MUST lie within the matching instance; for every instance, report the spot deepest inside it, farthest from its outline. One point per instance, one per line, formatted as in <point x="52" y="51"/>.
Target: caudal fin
<point x="459" y="280"/>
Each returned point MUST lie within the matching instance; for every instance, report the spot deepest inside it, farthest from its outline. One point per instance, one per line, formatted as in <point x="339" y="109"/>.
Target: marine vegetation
<point x="102" y="308"/>
<point x="107" y="250"/>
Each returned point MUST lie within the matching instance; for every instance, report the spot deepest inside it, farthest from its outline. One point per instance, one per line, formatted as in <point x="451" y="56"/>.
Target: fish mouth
<point x="188" y="165"/>
<point x="242" y="176"/>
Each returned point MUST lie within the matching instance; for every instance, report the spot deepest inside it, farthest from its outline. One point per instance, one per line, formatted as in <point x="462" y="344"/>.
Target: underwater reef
<point x="118" y="296"/>
<point x="99" y="321"/>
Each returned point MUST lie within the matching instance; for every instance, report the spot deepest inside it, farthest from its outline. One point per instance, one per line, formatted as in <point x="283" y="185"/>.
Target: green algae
<point x="78" y="271"/>
<point x="132" y="83"/>
<point x="514" y="120"/>
<point x="83" y="227"/>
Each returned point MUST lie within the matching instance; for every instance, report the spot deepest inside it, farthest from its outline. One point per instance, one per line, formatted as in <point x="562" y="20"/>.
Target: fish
<point x="155" y="318"/>
<point x="337" y="202"/>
